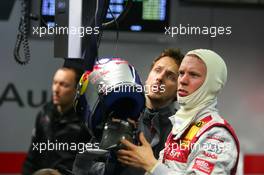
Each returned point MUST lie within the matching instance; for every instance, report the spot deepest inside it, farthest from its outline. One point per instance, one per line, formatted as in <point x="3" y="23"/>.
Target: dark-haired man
<point x="57" y="127"/>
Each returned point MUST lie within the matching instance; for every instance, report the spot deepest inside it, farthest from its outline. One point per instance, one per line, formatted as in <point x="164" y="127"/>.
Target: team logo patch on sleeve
<point x="203" y="166"/>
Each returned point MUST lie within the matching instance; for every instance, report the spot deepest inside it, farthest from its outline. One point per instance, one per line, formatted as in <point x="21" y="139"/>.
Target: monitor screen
<point x="47" y="11"/>
<point x="144" y="15"/>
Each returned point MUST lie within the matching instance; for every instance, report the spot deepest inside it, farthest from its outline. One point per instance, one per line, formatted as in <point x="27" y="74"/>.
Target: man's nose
<point x="55" y="88"/>
<point x="183" y="79"/>
<point x="160" y="76"/>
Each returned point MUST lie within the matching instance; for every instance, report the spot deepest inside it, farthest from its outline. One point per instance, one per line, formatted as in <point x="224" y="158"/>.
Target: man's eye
<point x="171" y="76"/>
<point x="65" y="85"/>
<point x="181" y="73"/>
<point x="157" y="69"/>
<point x="193" y="74"/>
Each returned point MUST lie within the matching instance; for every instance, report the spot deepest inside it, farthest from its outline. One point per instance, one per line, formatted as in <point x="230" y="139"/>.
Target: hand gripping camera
<point x="107" y="97"/>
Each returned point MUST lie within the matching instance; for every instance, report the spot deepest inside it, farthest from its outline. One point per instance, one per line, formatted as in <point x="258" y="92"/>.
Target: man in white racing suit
<point x="201" y="142"/>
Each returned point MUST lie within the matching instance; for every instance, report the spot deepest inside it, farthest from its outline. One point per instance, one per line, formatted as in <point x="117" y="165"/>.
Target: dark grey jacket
<point x="52" y="129"/>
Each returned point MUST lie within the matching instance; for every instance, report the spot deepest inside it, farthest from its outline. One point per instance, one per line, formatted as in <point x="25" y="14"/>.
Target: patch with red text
<point x="203" y="166"/>
<point x="210" y="155"/>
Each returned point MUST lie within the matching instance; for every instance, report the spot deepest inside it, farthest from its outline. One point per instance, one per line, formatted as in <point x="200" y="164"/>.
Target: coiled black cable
<point x="22" y="36"/>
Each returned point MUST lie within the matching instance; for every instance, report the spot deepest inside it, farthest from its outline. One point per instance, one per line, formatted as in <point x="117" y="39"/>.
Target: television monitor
<point x="144" y="15"/>
<point x="47" y="13"/>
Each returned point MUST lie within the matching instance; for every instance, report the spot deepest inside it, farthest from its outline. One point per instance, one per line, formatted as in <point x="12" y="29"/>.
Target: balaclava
<point x="206" y="94"/>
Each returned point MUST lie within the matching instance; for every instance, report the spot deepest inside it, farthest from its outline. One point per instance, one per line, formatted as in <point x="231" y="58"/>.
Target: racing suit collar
<point x="181" y="124"/>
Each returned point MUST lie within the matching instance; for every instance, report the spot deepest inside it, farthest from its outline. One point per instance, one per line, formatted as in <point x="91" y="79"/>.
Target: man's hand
<point x="137" y="156"/>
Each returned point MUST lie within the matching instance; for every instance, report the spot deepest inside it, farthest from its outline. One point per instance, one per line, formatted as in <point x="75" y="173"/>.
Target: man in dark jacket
<point x="58" y="134"/>
<point x="161" y="86"/>
<point x="161" y="90"/>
